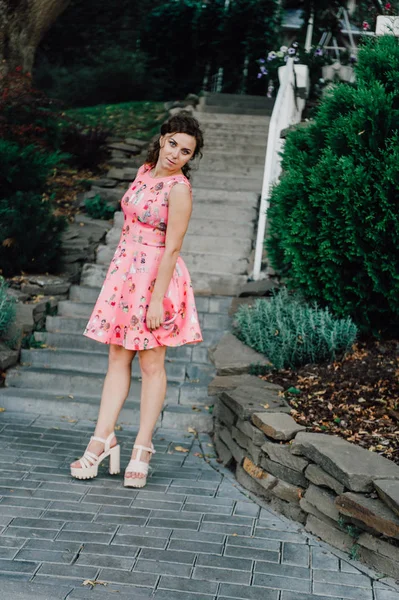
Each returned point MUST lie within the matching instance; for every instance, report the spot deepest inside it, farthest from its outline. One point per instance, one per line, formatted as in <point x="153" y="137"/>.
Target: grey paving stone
<point x="225" y="528"/>
<point x="174" y="523"/>
<point x="282" y="582"/>
<point x="169" y="582"/>
<point x="344" y="591"/>
<point x="118" y="520"/>
<point x="86" y="572"/>
<point x="295" y="596"/>
<point x="347" y="568"/>
<point x="156" y="504"/>
<point x="228" y="590"/>
<point x="20" y="511"/>
<point x="128" y="578"/>
<point x="168" y="555"/>
<point x="295" y="554"/>
<point x="28" y="532"/>
<point x="18" y="566"/>
<point x="322" y="559"/>
<point x="8" y="553"/>
<point x="53" y="546"/>
<point x="37" y="523"/>
<point x="26" y="503"/>
<point x="247" y="509"/>
<point x="84" y="536"/>
<point x="162" y="568"/>
<point x="173" y="595"/>
<point x="109" y="593"/>
<point x="46" y="556"/>
<point x="386" y="595"/>
<point x="200" y="536"/>
<point x="105" y="560"/>
<point x="213" y="574"/>
<point x="253" y="542"/>
<point x="89" y="527"/>
<point x="113" y="550"/>
<point x="195" y="546"/>
<point x="67" y="515"/>
<point x="140" y="541"/>
<point x="19" y="590"/>
<point x="251" y="553"/>
<point x="282" y="570"/>
<point x="224" y="562"/>
<point x="210" y="508"/>
<point x="352" y="579"/>
<point x="283" y="536"/>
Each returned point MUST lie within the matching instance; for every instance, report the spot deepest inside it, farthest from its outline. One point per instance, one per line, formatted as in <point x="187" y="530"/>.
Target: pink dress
<point x="120" y="311"/>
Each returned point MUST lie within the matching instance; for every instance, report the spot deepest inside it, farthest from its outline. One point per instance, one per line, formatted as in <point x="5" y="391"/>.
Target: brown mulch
<point x="356" y="398"/>
<point x="65" y="185"/>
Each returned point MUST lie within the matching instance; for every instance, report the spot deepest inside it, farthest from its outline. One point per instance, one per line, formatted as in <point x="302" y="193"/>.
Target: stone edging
<point x="342" y="493"/>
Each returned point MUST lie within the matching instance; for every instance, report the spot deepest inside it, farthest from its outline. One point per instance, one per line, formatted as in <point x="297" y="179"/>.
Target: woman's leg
<point x="115" y="391"/>
<point x="153" y="391"/>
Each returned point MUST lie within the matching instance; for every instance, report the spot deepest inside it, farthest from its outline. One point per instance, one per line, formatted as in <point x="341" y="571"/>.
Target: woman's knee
<point x="152" y="361"/>
<point x="120" y="356"/>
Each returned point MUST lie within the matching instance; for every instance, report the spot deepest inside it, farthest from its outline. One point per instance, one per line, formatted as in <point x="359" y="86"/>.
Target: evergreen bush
<point x="334" y="219"/>
<point x="7" y="307"/>
<point x="24" y="169"/>
<point x="98" y="208"/>
<point x="30" y="235"/>
<point x="292" y="333"/>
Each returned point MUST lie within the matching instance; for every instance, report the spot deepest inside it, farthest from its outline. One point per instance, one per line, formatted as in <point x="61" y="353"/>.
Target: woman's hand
<point x="154" y="316"/>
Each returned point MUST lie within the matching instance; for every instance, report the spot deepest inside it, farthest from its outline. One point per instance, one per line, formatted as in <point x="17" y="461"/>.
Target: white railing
<point x="287" y="111"/>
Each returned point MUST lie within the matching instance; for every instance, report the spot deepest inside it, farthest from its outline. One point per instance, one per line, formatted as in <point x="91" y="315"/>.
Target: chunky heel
<point x="90" y="461"/>
<point x="138" y="466"/>
<point x="115" y="460"/>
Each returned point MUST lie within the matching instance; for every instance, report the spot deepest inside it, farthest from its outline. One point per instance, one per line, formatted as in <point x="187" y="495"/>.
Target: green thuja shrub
<point x="334" y="218"/>
<point x="7" y="307"/>
<point x="292" y="333"/>
<point x="98" y="208"/>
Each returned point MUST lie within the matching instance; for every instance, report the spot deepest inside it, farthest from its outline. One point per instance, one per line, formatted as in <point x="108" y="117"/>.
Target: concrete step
<point x="223" y="99"/>
<point x="226" y="140"/>
<point x="207" y="118"/>
<point x="219" y="181"/>
<point x="81" y="361"/>
<point x="225" y="162"/>
<point x="244" y="172"/>
<point x="223" y="284"/>
<point x="64" y="381"/>
<point x="233" y="247"/>
<point x="173" y="416"/>
<point x="237" y="109"/>
<point x="76" y="325"/>
<point x="75" y="341"/>
<point x="215" y="262"/>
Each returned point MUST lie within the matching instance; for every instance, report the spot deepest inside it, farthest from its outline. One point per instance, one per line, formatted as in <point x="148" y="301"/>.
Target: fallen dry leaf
<point x="181" y="449"/>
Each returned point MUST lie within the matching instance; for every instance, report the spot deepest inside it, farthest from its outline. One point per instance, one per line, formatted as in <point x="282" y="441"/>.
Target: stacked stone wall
<point x="344" y="494"/>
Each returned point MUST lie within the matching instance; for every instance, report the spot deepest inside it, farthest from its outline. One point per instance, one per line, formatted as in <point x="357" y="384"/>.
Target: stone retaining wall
<point x="344" y="494"/>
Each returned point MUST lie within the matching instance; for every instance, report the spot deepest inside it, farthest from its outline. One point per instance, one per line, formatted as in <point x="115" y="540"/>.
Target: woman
<point x="146" y="302"/>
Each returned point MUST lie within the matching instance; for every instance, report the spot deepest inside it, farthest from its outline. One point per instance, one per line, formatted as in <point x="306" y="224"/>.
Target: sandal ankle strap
<point x="152" y="449"/>
<point x="106" y="442"/>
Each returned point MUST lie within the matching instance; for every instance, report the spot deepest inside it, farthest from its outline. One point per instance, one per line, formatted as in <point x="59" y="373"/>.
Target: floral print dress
<point x="119" y="314"/>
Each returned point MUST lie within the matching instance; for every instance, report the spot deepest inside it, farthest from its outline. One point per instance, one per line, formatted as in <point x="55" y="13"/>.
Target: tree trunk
<point x="22" y="26"/>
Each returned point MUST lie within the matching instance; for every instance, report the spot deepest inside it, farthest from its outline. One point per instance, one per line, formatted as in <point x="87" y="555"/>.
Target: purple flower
<point x="261" y="61"/>
<point x="319" y="52"/>
<point x="264" y="71"/>
<point x="291" y="50"/>
<point x="259" y="75"/>
<point x="295" y="44"/>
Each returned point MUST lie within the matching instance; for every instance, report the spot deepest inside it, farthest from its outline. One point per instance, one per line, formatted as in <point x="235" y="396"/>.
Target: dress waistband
<point x="138" y="233"/>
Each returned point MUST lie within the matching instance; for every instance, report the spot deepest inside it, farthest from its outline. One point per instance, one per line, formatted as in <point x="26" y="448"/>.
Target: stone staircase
<point x="64" y="377"/>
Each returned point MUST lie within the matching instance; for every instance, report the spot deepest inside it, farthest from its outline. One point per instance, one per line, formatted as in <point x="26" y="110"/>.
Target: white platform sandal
<point x="138" y="466"/>
<point x="91" y="461"/>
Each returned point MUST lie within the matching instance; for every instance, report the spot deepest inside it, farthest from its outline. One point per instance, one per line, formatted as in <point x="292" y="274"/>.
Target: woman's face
<point x="176" y="149"/>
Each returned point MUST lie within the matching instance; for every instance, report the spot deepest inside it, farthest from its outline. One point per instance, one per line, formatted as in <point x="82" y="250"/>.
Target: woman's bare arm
<point x="179" y="213"/>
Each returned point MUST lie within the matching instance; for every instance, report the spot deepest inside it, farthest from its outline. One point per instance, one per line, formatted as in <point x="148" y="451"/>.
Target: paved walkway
<point x="191" y="534"/>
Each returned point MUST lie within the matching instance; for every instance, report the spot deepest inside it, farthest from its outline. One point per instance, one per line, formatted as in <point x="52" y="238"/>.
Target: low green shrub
<point x="7" y="307"/>
<point x="97" y="208"/>
<point x="291" y="333"/>
<point x="30" y="235"/>
<point x="25" y="169"/>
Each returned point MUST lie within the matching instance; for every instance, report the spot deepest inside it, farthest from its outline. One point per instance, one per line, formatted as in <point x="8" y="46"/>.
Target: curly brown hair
<point x="183" y="122"/>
